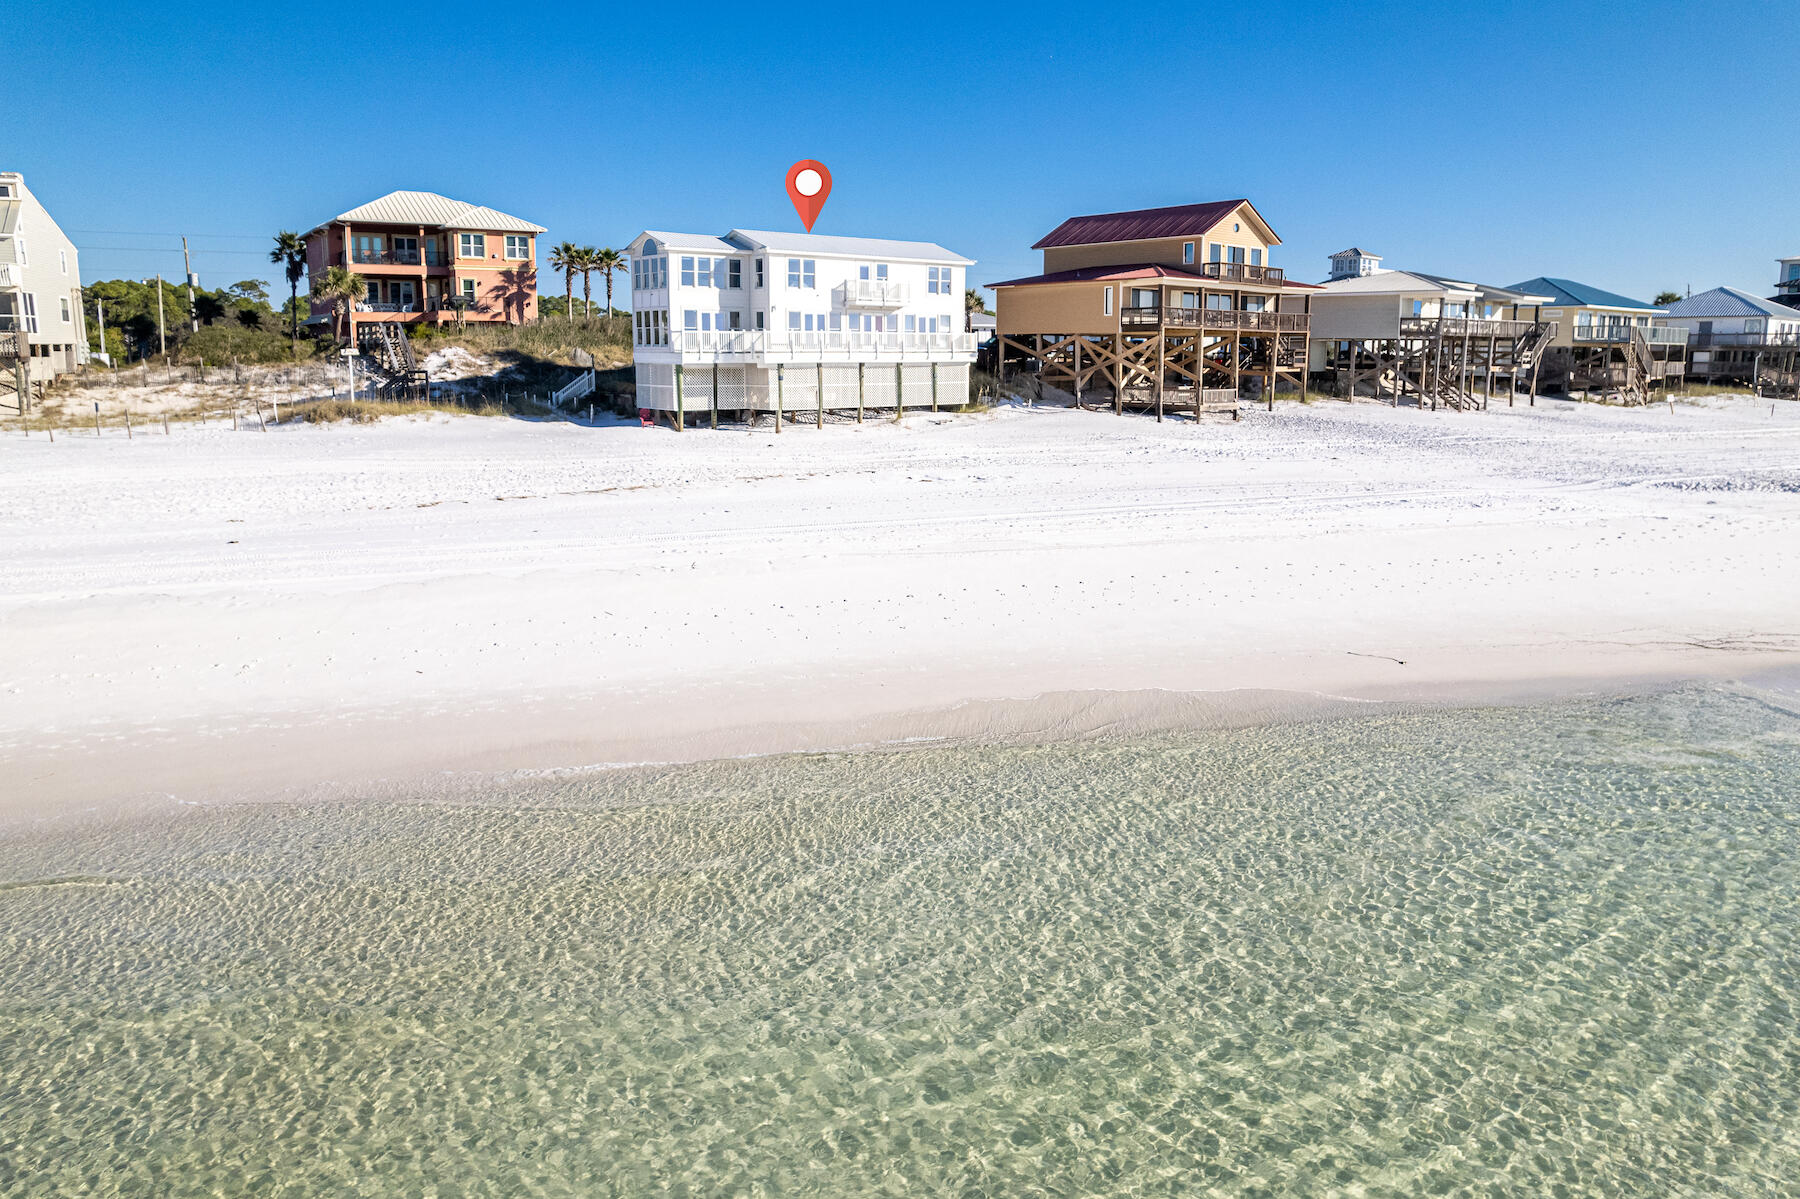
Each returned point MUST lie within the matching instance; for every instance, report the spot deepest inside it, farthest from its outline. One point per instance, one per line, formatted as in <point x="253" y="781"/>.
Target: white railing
<point x="873" y="293"/>
<point x="850" y="347"/>
<point x="581" y="385"/>
<point x="9" y="276"/>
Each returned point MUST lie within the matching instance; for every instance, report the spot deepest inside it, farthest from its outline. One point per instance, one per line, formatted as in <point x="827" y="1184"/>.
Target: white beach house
<point x="43" y="331"/>
<point x="759" y="321"/>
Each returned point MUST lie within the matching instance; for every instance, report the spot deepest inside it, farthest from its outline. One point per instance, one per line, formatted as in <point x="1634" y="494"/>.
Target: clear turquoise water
<point x="1547" y="951"/>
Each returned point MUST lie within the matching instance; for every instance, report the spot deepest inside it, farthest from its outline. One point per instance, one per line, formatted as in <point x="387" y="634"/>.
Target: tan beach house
<point x="1606" y="343"/>
<point x="430" y="258"/>
<point x="1156" y="308"/>
<point x="43" y="331"/>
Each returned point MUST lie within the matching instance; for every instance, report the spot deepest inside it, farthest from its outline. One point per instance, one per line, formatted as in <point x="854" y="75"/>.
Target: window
<point x="1255" y="303"/>
<point x="1187" y="253"/>
<point x="690" y="319"/>
<point x="706" y="322"/>
<point x="374" y="296"/>
<point x="800" y="272"/>
<point x="1219" y="301"/>
<point x="1106" y="302"/>
<point x="862" y="272"/>
<point x="837" y="322"/>
<point x="1217" y="252"/>
<point x="736" y="276"/>
<point x="468" y="290"/>
<point x="24" y="258"/>
<point x="1236" y="253"/>
<point x="737" y="320"/>
<point x="794" y="321"/>
<point x="1418" y="307"/>
<point x="65" y="310"/>
<point x="31" y="325"/>
<point x="62" y="257"/>
<point x="881" y="272"/>
<point x="5" y="191"/>
<point x="704" y="276"/>
<point x="912" y="324"/>
<point x="518" y="246"/>
<point x="471" y="245"/>
<point x="759" y="272"/>
<point x="1255" y="257"/>
<point x="759" y="316"/>
<point x="687" y="270"/>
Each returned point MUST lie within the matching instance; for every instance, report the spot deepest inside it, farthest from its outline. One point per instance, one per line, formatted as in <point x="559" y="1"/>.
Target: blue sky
<point x="1632" y="146"/>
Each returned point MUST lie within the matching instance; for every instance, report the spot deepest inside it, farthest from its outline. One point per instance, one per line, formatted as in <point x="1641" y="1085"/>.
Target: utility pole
<point x="189" y="268"/>
<point x="100" y="310"/>
<point x="162" y="335"/>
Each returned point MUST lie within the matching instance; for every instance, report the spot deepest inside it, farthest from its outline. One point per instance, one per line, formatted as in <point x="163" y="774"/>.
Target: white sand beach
<point x="214" y="611"/>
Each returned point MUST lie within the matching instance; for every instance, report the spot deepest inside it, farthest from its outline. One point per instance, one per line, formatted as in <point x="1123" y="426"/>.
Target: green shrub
<point x="223" y="344"/>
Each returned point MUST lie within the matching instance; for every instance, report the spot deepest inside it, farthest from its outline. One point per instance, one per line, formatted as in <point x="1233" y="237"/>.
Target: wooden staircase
<point x="387" y="355"/>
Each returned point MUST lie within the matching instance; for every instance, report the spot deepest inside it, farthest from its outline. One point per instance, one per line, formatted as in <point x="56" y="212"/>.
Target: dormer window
<point x="1187" y="253"/>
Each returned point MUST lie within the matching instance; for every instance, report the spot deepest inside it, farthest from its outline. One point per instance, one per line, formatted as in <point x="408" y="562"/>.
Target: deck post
<point x="715" y="394"/>
<point x="821" y="423"/>
<point x="899" y="391"/>
<point x="780" y="382"/>
<point x="1118" y="374"/>
<point x="680" y="416"/>
<point x="860" y="379"/>
<point x="1078" y="370"/>
<point x="934" y="387"/>
<point x="1161" y="345"/>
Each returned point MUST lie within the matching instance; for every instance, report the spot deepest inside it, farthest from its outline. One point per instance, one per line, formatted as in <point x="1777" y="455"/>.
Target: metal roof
<point x="1569" y="294"/>
<point x="1136" y="270"/>
<point x="1145" y="224"/>
<point x="1506" y="295"/>
<point x="845" y="247"/>
<point x="434" y="212"/>
<point x="1358" y="253"/>
<point x="1729" y="301"/>
<point x="1397" y="283"/>
<point x="687" y="241"/>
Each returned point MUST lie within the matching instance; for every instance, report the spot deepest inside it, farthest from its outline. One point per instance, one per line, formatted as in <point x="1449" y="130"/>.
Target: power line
<point x="155" y="233"/>
<point x="170" y="250"/>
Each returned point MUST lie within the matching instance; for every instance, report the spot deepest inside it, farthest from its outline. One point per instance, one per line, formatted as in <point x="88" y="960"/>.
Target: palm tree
<point x="587" y="261"/>
<point x="972" y="303"/>
<point x="340" y="287"/>
<point x="609" y="260"/>
<point x="566" y="258"/>
<point x="290" y="254"/>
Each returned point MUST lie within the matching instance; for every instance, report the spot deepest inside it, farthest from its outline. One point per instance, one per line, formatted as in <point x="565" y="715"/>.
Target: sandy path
<point x="524" y="593"/>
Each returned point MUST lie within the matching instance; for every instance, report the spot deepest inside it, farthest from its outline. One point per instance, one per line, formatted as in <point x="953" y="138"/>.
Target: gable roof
<point x="684" y="241"/>
<point x="1729" y="301"/>
<point x="1569" y="294"/>
<point x="1146" y="224"/>
<point x="1506" y="295"/>
<point x="1136" y="270"/>
<point x="844" y="247"/>
<point x="434" y="212"/>
<point x="1355" y="252"/>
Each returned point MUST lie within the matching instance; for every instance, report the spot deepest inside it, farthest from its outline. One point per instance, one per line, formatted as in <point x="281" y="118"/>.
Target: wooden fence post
<point x="861" y="378"/>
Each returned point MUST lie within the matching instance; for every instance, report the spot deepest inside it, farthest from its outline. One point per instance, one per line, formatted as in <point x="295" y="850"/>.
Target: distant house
<point x="1443" y="340"/>
<point x="981" y="324"/>
<point x="1735" y="337"/>
<point x="763" y="321"/>
<point x="43" y="331"/>
<point x="430" y="258"/>
<point x="1606" y="342"/>
<point x="1787" y="282"/>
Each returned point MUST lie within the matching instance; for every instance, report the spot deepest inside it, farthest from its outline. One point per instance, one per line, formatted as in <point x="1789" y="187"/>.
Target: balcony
<point x="872" y="293"/>
<point x="10" y="277"/>
<point x="1155" y="316"/>
<point x="1242" y="272"/>
<point x="788" y="346"/>
<point x="429" y="257"/>
<point x="1750" y="341"/>
<point x="1789" y="287"/>
<point x="366" y="306"/>
<point x="1462" y="326"/>
<point x="1609" y="334"/>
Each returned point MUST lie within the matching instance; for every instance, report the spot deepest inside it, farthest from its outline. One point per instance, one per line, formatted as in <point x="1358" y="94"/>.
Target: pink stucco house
<point x="430" y="258"/>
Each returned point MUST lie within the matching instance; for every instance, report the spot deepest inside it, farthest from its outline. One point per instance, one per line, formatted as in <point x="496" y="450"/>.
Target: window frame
<point x="524" y="247"/>
<point x="1187" y="253"/>
<point x="471" y="245"/>
<point x="1106" y="302"/>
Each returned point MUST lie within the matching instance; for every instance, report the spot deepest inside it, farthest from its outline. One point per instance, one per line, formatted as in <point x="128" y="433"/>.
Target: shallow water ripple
<point x="1526" y="951"/>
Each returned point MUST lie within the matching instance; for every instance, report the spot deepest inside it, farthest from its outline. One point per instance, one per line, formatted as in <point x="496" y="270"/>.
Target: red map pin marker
<point x="808" y="183"/>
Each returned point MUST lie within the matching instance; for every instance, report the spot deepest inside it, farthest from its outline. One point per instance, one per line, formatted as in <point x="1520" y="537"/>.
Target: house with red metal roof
<point x="1158" y="308"/>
